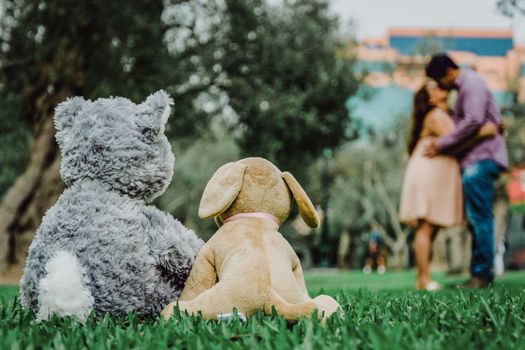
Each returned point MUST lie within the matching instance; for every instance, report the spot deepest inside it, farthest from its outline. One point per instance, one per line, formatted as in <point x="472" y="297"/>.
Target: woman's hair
<point x="421" y="108"/>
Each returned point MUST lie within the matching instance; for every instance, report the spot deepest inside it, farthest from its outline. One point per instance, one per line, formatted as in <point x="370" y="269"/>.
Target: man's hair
<point x="437" y="67"/>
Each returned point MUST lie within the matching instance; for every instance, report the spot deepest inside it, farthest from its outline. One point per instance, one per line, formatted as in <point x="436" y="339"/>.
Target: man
<point x="481" y="164"/>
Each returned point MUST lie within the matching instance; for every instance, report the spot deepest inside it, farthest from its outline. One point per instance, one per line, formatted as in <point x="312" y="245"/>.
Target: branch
<point x="389" y="206"/>
<point x="369" y="185"/>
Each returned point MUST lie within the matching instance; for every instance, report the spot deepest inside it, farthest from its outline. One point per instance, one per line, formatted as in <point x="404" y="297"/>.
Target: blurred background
<point x="321" y="88"/>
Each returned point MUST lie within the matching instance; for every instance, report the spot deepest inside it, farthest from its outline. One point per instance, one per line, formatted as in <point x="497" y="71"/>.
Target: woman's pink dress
<point x="432" y="186"/>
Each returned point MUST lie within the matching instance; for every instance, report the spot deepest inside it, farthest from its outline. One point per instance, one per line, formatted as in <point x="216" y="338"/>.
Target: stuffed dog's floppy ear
<point x="221" y="190"/>
<point x="306" y="208"/>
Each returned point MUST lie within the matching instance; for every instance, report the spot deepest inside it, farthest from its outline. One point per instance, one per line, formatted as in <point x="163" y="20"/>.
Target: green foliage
<point x="105" y="41"/>
<point x="287" y="86"/>
<point x="511" y="7"/>
<point x="515" y="134"/>
<point x="394" y="319"/>
<point x="102" y="48"/>
<point x="94" y="49"/>
<point x="428" y="46"/>
<point x="272" y="72"/>
<point x="194" y="166"/>
<point x="358" y="168"/>
<point x="14" y="138"/>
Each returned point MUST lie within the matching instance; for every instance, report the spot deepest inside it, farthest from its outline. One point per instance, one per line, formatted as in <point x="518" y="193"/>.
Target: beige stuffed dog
<point x="247" y="264"/>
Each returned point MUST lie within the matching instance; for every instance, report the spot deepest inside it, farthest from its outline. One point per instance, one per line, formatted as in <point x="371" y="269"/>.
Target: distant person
<point x="432" y="197"/>
<point x="376" y="255"/>
<point x="481" y="164"/>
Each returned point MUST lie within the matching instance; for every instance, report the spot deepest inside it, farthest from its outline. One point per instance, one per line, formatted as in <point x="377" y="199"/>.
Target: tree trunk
<point x="400" y="246"/>
<point x="37" y="189"/>
<point x="501" y="208"/>
<point x="401" y="255"/>
<point x="373" y="182"/>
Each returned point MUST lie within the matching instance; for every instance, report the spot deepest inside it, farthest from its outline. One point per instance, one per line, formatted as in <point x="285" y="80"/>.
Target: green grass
<point x="406" y="280"/>
<point x="381" y="312"/>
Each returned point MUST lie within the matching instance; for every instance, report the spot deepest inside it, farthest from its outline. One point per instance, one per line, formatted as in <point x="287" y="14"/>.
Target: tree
<point x="515" y="129"/>
<point x="414" y="65"/>
<point x="287" y="85"/>
<point x="194" y="167"/>
<point x="367" y="181"/>
<point x="50" y="50"/>
<point x="429" y="45"/>
<point x="271" y="72"/>
<point x="511" y="7"/>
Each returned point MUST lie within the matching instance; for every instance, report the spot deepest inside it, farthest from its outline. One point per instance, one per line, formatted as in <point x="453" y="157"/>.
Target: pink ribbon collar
<point x="260" y="215"/>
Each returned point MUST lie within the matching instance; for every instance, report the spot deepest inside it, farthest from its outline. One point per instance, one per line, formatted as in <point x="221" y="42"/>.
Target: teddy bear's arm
<point x="203" y="275"/>
<point x="172" y="245"/>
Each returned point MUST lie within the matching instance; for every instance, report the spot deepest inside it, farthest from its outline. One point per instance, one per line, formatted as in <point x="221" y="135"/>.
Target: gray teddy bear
<point x="100" y="247"/>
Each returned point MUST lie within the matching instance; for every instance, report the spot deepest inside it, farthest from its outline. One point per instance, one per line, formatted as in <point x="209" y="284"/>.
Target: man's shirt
<point x="475" y="105"/>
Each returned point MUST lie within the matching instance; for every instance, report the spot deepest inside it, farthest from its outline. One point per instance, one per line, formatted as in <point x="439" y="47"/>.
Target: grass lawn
<point x="381" y="312"/>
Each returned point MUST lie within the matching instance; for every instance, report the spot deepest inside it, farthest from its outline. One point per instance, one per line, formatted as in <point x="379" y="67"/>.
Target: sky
<point x="374" y="17"/>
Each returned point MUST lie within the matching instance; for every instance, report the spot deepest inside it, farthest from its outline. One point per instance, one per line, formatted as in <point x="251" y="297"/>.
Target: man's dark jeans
<point x="478" y="188"/>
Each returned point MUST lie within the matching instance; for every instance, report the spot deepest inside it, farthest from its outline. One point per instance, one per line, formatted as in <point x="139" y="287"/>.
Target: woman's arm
<point x="439" y="125"/>
<point x="487" y="130"/>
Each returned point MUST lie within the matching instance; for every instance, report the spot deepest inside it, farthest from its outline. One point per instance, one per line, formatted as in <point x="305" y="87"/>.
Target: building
<point x="394" y="64"/>
<point x="400" y="56"/>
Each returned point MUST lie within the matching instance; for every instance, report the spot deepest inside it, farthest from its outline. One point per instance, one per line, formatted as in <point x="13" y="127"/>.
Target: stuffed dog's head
<point x="254" y="185"/>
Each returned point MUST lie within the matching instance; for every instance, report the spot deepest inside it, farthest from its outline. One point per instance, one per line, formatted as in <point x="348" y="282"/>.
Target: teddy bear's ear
<point x="306" y="208"/>
<point x="154" y="114"/>
<point x="222" y="190"/>
<point x="65" y="114"/>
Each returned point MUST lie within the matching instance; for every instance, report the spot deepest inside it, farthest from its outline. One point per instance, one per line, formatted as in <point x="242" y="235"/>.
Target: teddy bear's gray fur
<point x="113" y="253"/>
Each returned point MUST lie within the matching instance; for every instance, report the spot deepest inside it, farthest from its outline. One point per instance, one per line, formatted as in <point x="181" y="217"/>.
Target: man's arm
<point x="474" y="103"/>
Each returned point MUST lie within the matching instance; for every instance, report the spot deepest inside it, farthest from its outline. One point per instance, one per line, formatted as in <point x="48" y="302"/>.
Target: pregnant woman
<point x="432" y="197"/>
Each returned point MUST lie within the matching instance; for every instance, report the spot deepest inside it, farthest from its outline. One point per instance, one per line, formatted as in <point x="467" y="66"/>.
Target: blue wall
<point x="406" y="45"/>
<point x="523" y="70"/>
<point x="378" y="108"/>
<point x="504" y="98"/>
